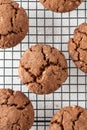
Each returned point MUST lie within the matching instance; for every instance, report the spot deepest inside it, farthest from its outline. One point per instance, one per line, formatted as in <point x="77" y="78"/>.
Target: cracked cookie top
<point x="43" y="69"/>
<point x="16" y="111"/>
<point x="78" y="47"/>
<point x="69" y="118"/>
<point x="61" y="5"/>
<point x="13" y="23"/>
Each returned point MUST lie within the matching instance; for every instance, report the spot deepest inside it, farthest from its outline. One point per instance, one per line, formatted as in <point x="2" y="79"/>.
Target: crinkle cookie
<point x="78" y="47"/>
<point x="16" y="110"/>
<point x="61" y="5"/>
<point x="69" y="118"/>
<point x="43" y="69"/>
<point x="13" y="23"/>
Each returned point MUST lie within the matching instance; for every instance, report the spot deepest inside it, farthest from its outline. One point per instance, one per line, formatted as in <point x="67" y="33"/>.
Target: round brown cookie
<point x="16" y="111"/>
<point x="13" y="23"/>
<point x="61" y="5"/>
<point x="78" y="47"/>
<point x="43" y="69"/>
<point x="69" y="118"/>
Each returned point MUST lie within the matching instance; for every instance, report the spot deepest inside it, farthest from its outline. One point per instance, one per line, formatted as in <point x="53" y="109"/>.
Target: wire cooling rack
<point x="54" y="29"/>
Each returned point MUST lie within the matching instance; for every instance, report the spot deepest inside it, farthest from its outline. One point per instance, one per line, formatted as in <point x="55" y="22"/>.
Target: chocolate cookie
<point x="61" y="5"/>
<point x="13" y="23"/>
<point x="16" y="111"/>
<point x="78" y="47"/>
<point x="43" y="69"/>
<point x="69" y="118"/>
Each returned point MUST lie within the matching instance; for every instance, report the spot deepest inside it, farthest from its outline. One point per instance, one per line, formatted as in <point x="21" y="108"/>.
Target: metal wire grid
<point x="54" y="29"/>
